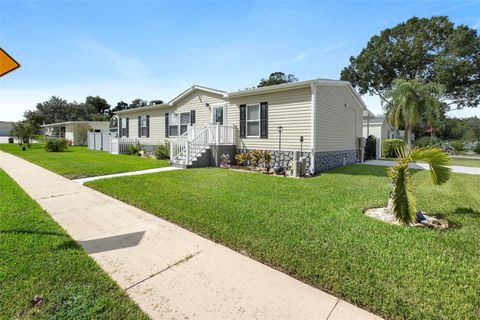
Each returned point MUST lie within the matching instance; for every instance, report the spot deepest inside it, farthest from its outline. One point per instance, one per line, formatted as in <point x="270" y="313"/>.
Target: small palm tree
<point x="410" y="101"/>
<point x="402" y="200"/>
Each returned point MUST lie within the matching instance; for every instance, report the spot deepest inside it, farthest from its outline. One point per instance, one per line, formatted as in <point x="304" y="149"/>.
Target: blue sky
<point x="123" y="50"/>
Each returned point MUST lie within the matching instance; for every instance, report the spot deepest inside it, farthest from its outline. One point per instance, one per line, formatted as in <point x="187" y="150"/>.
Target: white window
<point x="143" y="126"/>
<point x="178" y="123"/>
<point x="124" y="128"/>
<point x="184" y="122"/>
<point x="253" y="120"/>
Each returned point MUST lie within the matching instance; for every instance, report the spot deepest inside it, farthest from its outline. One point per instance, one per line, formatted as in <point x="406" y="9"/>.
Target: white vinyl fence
<point x="105" y="142"/>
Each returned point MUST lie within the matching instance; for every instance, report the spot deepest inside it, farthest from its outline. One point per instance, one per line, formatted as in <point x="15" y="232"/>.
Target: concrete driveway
<point x="424" y="166"/>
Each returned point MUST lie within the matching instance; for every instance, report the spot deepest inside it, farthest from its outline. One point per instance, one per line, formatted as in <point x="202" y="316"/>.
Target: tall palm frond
<point x="410" y="101"/>
<point x="403" y="199"/>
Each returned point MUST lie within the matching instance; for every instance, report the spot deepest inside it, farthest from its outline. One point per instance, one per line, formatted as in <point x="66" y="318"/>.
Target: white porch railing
<point x="196" y="139"/>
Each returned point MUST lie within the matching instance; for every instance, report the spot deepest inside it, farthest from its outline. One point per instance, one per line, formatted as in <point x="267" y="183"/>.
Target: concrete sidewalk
<point x="424" y="166"/>
<point x="123" y="174"/>
<point x="169" y="271"/>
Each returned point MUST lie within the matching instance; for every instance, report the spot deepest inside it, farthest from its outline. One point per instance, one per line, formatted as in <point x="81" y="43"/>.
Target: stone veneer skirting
<point x="282" y="158"/>
<point x="331" y="159"/>
<point x="149" y="148"/>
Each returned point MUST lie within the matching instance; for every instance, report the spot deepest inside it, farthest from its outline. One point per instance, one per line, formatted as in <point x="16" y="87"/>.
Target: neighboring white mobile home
<point x="72" y="130"/>
<point x="380" y="129"/>
<point x="202" y="123"/>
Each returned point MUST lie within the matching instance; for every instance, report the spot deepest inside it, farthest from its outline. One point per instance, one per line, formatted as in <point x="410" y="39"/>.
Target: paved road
<point x="424" y="166"/>
<point x="169" y="271"/>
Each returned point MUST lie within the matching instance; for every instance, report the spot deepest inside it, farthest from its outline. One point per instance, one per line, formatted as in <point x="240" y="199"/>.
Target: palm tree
<point x="402" y="200"/>
<point x="410" y="101"/>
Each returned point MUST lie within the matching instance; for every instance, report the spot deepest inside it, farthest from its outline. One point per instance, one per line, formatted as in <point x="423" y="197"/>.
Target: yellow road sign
<point x="7" y="63"/>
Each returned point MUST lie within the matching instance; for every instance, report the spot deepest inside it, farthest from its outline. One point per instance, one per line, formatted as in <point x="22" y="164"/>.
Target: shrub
<point x="477" y="148"/>
<point x="255" y="158"/>
<point x="134" y="149"/>
<point x="56" y="145"/>
<point x="426" y="141"/>
<point x="458" y="146"/>
<point x="267" y="160"/>
<point x="389" y="147"/>
<point x="163" y="151"/>
<point x="242" y="158"/>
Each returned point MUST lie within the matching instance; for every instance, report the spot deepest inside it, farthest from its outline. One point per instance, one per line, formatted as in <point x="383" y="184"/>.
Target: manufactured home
<point x="74" y="131"/>
<point x="321" y="119"/>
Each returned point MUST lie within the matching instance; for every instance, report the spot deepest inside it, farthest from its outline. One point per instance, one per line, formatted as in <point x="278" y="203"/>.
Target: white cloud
<point x="119" y="63"/>
<point x="301" y="56"/>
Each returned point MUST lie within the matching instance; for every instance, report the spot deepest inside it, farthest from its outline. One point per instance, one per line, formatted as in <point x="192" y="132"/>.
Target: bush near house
<point x="56" y="145"/>
<point x="163" y="151"/>
<point x="389" y="146"/>
<point x="134" y="149"/>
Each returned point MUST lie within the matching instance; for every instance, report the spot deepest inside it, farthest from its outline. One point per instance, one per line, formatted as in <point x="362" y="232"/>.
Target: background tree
<point x="137" y="103"/>
<point x="59" y="110"/>
<point x="155" y="102"/>
<point x="430" y="49"/>
<point x="80" y="131"/>
<point x="411" y="101"/>
<point x="24" y="131"/>
<point x="121" y="105"/>
<point x="99" y="104"/>
<point x="277" y="78"/>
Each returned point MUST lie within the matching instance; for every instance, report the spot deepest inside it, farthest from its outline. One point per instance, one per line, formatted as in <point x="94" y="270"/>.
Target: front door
<point x="218" y="115"/>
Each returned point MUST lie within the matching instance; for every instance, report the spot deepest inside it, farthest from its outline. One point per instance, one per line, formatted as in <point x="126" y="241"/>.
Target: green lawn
<point x="39" y="259"/>
<point x="80" y="162"/>
<point x="314" y="229"/>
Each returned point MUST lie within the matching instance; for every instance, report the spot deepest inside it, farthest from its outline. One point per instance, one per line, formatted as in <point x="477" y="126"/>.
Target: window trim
<point x="178" y="125"/>
<point x="124" y="128"/>
<point x="143" y="118"/>
<point x="257" y="121"/>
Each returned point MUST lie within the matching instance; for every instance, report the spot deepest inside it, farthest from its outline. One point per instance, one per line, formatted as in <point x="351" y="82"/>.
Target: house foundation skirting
<point x="149" y="148"/>
<point x="326" y="160"/>
<point x="282" y="158"/>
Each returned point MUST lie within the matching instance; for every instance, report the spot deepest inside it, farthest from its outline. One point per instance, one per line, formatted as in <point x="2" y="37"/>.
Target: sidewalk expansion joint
<point x="58" y="195"/>
<point x="331" y="311"/>
<point x="188" y="257"/>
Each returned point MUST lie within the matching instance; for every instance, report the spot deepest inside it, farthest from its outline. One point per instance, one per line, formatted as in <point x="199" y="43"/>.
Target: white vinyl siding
<point x="157" y="124"/>
<point x="198" y="100"/>
<point x="292" y="109"/>
<point x="339" y="118"/>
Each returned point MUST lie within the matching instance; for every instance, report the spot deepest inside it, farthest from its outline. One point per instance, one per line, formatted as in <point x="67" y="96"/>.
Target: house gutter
<point x="313" y="147"/>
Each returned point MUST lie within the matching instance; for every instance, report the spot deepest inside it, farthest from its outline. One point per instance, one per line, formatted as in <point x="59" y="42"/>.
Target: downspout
<point x="313" y="147"/>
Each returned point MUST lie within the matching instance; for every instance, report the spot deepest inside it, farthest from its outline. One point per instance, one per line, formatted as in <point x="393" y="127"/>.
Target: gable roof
<point x="194" y="88"/>
<point x="297" y="85"/>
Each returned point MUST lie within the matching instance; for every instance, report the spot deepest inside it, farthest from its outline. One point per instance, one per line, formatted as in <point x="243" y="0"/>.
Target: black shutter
<point x="139" y="126"/>
<point x="243" y="120"/>
<point x="192" y="117"/>
<point x="128" y="129"/>
<point x="264" y="120"/>
<point x="148" y="126"/>
<point x="119" y="127"/>
<point x="166" y="125"/>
